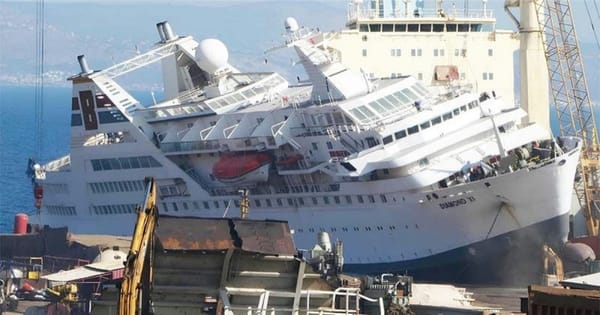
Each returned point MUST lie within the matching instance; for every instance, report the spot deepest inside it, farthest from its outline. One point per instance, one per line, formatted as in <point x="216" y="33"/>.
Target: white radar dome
<point x="357" y="1"/>
<point x="291" y="25"/>
<point x="212" y="55"/>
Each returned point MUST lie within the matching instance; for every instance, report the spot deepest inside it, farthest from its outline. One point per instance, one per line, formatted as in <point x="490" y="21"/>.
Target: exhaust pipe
<point x="165" y="32"/>
<point x="85" y="69"/>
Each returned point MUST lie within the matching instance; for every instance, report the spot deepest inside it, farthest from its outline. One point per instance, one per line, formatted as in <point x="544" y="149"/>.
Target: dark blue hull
<point x="512" y="258"/>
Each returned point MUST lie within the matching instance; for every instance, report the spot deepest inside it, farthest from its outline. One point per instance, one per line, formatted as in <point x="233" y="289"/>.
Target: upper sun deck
<point x="380" y="16"/>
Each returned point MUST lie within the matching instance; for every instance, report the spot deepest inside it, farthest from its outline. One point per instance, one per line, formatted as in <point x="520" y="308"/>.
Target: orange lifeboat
<point x="244" y="167"/>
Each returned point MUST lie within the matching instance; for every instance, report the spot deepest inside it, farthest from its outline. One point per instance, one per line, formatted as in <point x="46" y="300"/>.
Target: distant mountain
<point x="113" y="32"/>
<point x="110" y="32"/>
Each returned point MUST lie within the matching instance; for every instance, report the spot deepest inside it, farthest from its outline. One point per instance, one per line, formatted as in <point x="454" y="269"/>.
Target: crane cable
<point x="587" y="9"/>
<point x="39" y="75"/>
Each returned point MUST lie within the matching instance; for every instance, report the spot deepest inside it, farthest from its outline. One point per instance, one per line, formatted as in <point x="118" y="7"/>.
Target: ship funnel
<point x="161" y="32"/>
<point x="169" y="35"/>
<point x="165" y="32"/>
<point x="85" y="69"/>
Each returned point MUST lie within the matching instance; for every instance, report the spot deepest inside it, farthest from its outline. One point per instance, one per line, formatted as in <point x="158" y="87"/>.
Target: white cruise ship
<point x="410" y="179"/>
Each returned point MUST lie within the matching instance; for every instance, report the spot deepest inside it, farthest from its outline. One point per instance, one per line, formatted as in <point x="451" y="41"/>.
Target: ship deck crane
<point x="572" y="101"/>
<point x="137" y="277"/>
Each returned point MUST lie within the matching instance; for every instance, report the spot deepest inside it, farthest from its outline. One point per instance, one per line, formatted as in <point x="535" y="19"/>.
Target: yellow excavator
<point x="135" y="288"/>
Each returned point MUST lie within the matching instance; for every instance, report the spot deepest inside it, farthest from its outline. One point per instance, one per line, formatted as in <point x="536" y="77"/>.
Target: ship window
<point x="144" y="161"/>
<point x="326" y="200"/>
<point x="463" y="108"/>
<point x="356" y="228"/>
<point x="360" y="199"/>
<point x="383" y="198"/>
<point x="364" y="52"/>
<point x="315" y="146"/>
<point x="413" y="130"/>
<point x="413" y="27"/>
<point x="364" y="28"/>
<point x="349" y="199"/>
<point x="269" y="204"/>
<point x="279" y="202"/>
<point x="344" y="229"/>
<point x="195" y="205"/>
<point x="314" y="201"/>
<point x="463" y="27"/>
<point x="475" y="27"/>
<point x="377" y="107"/>
<point x="403" y="98"/>
<point x="451" y="27"/>
<point x="185" y="206"/>
<point x="420" y="76"/>
<point x="400" y="134"/>
<point x="375" y="27"/>
<point x="447" y="116"/>
<point x="400" y="27"/>
<point x="367" y="228"/>
<point x="257" y="202"/>
<point x="388" y="102"/>
<point x="456" y="111"/>
<point x="388" y="139"/>
<point x="175" y="206"/>
<point x="490" y="52"/>
<point x="301" y="201"/>
<point x="311" y="229"/>
<point x="329" y="145"/>
<point x="387" y="27"/>
<point x="425" y="125"/>
<point x="290" y="202"/>
<point x="216" y="203"/>
<point x="410" y="93"/>
<point x="436" y="121"/>
<point x="438" y="27"/>
<point x="456" y="52"/>
<point x="425" y="27"/>
<point x="371" y="199"/>
<point x="336" y="199"/>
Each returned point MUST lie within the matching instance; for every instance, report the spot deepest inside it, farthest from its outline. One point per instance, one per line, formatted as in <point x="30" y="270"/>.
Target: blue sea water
<point x="19" y="141"/>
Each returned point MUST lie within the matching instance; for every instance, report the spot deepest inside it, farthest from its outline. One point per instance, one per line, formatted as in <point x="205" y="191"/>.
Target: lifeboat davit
<point x="244" y="167"/>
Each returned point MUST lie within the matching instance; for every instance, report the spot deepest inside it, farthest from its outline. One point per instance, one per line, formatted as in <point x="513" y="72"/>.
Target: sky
<point x="111" y="31"/>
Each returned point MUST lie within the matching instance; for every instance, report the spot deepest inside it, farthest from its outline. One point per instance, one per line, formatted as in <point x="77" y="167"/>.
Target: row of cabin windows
<point x="114" y="209"/>
<point x="124" y="163"/>
<point x="425" y="125"/>
<point x="120" y="186"/>
<point x="278" y="202"/>
<point x="418" y="52"/>
<point x="354" y="228"/>
<point x="61" y="210"/>
<point x="425" y="27"/>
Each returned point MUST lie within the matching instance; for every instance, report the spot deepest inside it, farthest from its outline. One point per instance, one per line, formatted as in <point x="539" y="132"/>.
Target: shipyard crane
<point x="571" y="98"/>
<point x="138" y="267"/>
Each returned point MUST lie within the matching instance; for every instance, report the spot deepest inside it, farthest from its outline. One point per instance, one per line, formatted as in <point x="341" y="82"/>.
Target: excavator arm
<point x="138" y="271"/>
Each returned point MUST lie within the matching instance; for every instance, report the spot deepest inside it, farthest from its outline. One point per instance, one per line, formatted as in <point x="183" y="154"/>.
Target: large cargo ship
<point x="411" y="178"/>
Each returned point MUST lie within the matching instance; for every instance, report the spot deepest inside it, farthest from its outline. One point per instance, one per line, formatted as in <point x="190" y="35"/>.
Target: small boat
<point x="244" y="167"/>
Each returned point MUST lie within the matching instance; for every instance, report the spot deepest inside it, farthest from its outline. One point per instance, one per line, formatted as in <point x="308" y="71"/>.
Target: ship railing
<point x="57" y="164"/>
<point x="349" y="300"/>
<point x="357" y="11"/>
<point x="185" y="146"/>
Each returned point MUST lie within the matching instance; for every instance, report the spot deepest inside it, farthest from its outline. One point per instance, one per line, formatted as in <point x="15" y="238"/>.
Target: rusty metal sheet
<point x="266" y="237"/>
<point x="257" y="236"/>
<point x="185" y="233"/>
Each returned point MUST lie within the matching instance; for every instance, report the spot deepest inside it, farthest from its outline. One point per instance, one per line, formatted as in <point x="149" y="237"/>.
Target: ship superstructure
<point x="409" y="178"/>
<point x="439" y="42"/>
